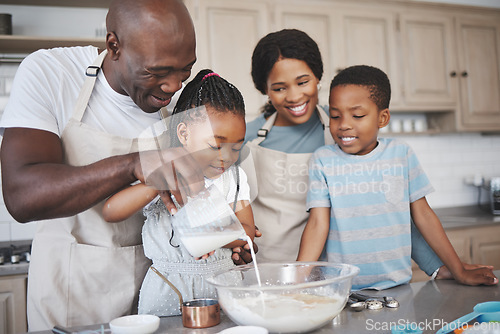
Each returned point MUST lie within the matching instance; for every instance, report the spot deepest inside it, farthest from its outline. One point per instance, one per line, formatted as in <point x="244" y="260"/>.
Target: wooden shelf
<point x="59" y="3"/>
<point x="28" y="44"/>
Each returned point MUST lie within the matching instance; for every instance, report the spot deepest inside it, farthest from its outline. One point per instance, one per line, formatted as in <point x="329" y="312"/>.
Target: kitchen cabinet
<point x="452" y="62"/>
<point x="367" y="35"/>
<point x="428" y="61"/>
<point x="473" y="244"/>
<point x="485" y="246"/>
<point x="13" y="304"/>
<point x="317" y="20"/>
<point x="428" y="51"/>
<point x="227" y="32"/>
<point x="443" y="60"/>
<point x="478" y="72"/>
<point x="346" y="35"/>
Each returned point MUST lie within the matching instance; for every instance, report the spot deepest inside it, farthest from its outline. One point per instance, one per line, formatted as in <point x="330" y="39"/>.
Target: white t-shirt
<point x="46" y="88"/>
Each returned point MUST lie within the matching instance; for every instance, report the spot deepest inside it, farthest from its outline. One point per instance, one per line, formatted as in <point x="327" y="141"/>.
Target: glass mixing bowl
<point x="294" y="297"/>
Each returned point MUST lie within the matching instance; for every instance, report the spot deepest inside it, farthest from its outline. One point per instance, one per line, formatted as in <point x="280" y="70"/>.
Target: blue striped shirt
<point x="369" y="196"/>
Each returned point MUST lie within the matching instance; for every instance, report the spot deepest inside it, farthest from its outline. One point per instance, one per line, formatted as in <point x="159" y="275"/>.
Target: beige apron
<point x="84" y="270"/>
<point x="280" y="206"/>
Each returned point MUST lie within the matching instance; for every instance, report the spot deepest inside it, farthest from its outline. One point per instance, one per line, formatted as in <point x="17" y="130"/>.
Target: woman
<point x="287" y="67"/>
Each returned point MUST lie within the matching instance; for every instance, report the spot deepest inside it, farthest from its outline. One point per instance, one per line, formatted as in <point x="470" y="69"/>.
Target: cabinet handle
<point x="453" y="74"/>
<point x="465" y="74"/>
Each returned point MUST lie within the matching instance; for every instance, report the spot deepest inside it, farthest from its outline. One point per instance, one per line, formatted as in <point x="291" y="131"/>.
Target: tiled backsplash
<point x="7" y="72"/>
<point x="447" y="160"/>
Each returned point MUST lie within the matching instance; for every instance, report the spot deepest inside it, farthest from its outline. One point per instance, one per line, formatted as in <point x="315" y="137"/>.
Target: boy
<point x="364" y="191"/>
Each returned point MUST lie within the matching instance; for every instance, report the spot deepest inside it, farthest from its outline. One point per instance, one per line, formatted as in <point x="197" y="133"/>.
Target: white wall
<point x="447" y="159"/>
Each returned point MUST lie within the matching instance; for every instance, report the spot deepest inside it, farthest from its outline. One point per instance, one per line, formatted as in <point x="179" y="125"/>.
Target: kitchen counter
<point x="14" y="269"/>
<point x="18" y="247"/>
<point x="467" y="216"/>
<point x="428" y="305"/>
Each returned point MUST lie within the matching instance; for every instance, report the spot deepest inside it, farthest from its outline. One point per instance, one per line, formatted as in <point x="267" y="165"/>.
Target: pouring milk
<point x="207" y="222"/>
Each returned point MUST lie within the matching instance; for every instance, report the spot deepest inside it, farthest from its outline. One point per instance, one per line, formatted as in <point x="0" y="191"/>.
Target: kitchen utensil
<point x="386" y="301"/>
<point x="135" y="324"/>
<point x="207" y="223"/>
<point x="356" y="305"/>
<point x="196" y="313"/>
<point x="483" y="328"/>
<point x="374" y="304"/>
<point x="62" y="330"/>
<point x="289" y="293"/>
<point x="390" y="302"/>
<point x="484" y="312"/>
<point x="200" y="313"/>
<point x="359" y="297"/>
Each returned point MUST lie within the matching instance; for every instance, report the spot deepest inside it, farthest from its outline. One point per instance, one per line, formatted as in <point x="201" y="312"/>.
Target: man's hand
<point x="242" y="255"/>
<point x="172" y="171"/>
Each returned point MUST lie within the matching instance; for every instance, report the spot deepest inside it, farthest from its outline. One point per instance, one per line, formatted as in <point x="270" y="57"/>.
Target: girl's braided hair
<point x="207" y="88"/>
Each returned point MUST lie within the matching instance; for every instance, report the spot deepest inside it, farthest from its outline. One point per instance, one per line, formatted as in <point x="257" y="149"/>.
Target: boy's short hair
<point x="371" y="77"/>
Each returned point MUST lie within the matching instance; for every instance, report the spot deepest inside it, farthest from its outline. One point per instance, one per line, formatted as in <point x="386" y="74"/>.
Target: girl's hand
<point x="478" y="276"/>
<point x="242" y="255"/>
<point x="205" y="256"/>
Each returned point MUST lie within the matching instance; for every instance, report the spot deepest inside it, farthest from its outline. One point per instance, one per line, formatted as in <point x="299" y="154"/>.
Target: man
<point x="67" y="146"/>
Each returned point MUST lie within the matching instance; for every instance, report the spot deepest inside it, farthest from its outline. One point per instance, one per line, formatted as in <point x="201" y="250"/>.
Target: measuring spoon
<point x="485" y="312"/>
<point x="357" y="305"/>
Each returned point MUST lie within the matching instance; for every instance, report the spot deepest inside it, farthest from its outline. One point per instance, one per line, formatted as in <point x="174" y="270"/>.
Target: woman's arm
<point x="429" y="225"/>
<point x="127" y="202"/>
<point x="315" y="234"/>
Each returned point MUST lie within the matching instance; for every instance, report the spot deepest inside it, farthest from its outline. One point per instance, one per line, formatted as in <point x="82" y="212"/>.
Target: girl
<point x="216" y="148"/>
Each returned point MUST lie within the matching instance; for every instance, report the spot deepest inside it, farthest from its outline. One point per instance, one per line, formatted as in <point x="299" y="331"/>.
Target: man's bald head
<point x="128" y="18"/>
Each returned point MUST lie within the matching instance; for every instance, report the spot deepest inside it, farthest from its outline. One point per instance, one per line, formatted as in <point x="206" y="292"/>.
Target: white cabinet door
<point x="316" y="21"/>
<point x="13" y="304"/>
<point x="486" y="246"/>
<point x="429" y="61"/>
<point x="367" y="36"/>
<point x="479" y="72"/>
<point x="226" y="34"/>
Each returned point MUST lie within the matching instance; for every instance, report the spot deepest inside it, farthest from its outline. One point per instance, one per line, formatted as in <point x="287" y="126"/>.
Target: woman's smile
<point x="299" y="110"/>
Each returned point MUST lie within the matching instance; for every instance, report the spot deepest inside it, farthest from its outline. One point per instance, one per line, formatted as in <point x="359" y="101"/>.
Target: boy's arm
<point x="127" y="202"/>
<point x="429" y="225"/>
<point x="422" y="253"/>
<point x="315" y="234"/>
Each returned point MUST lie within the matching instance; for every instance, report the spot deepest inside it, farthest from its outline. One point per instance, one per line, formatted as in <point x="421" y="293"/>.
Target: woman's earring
<point x="319" y="85"/>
